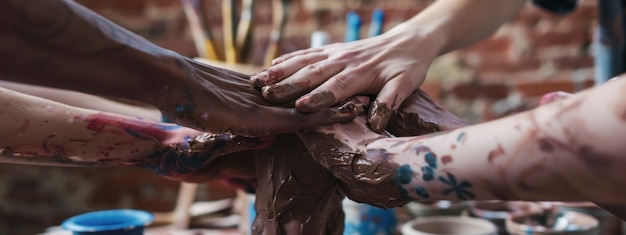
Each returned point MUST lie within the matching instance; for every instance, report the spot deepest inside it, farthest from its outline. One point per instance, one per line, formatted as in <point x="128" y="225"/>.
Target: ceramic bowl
<point x="565" y="222"/>
<point x="449" y="225"/>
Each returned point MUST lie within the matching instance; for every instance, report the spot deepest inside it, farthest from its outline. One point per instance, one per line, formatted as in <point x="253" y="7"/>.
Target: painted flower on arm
<point x="460" y="188"/>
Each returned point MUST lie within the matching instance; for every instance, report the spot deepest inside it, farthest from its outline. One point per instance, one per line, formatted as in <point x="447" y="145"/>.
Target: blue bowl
<point x="114" y="222"/>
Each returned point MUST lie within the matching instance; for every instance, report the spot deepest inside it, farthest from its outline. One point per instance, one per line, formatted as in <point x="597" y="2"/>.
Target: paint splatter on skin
<point x="404" y="174"/>
<point x="459" y="188"/>
<point x="460" y="137"/>
<point x="136" y="128"/>
<point x="428" y="173"/>
<point x="493" y="154"/>
<point x="431" y="159"/>
<point x="446" y="159"/>
<point x="421" y="191"/>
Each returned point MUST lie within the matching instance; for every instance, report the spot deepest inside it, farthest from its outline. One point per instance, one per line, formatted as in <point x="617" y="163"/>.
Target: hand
<point x="222" y="101"/>
<point x="193" y="156"/>
<point x="365" y="171"/>
<point x="392" y="65"/>
<point x="420" y="115"/>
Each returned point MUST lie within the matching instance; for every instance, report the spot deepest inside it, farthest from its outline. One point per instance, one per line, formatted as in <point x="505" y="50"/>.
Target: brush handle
<point x="378" y="19"/>
<point x="353" y="27"/>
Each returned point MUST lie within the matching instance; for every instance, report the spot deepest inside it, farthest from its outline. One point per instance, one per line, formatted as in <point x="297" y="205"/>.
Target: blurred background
<point x="535" y="53"/>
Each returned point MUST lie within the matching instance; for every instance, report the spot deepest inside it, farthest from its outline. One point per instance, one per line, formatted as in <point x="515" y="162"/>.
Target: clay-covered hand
<point x="392" y="65"/>
<point x="420" y="115"/>
<point x="192" y="156"/>
<point x="222" y="101"/>
<point x="366" y="172"/>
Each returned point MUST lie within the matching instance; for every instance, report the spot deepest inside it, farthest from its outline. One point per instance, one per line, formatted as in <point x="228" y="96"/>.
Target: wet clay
<point x="420" y="115"/>
<point x="378" y="115"/>
<point x="366" y="177"/>
<point x="294" y="194"/>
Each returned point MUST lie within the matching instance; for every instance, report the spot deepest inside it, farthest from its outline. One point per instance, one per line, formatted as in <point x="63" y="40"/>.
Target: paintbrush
<point x="201" y="37"/>
<point x="376" y="27"/>
<point x="229" y="29"/>
<point x="279" y="19"/>
<point x="244" y="30"/>
<point x="353" y="27"/>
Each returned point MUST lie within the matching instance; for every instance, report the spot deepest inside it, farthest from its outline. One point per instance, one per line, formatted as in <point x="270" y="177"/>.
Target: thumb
<point x="386" y="104"/>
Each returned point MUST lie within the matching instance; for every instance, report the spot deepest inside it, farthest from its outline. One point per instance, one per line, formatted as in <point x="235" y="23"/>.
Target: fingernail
<point x="277" y="61"/>
<point x="378" y="116"/>
<point x="283" y="93"/>
<point x="259" y="78"/>
<point x="316" y="101"/>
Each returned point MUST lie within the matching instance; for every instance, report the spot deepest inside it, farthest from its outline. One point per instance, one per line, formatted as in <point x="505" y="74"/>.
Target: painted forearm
<point x="459" y="23"/>
<point x="570" y="150"/>
<point x="37" y="131"/>
<point x="62" y="44"/>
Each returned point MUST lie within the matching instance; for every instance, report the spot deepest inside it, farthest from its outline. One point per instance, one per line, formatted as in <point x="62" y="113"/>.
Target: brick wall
<point x="533" y="54"/>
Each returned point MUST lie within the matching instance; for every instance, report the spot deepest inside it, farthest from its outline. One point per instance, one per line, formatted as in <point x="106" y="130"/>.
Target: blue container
<point x="113" y="222"/>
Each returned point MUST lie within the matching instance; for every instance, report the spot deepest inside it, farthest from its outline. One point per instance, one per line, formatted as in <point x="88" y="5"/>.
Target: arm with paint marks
<point x="43" y="132"/>
<point x="568" y="150"/>
<point x="61" y="44"/>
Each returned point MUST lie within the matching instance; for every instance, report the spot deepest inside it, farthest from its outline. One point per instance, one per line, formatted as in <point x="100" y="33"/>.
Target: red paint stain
<point x="453" y="146"/>
<point x="140" y="129"/>
<point x="446" y="159"/>
<point x="493" y="154"/>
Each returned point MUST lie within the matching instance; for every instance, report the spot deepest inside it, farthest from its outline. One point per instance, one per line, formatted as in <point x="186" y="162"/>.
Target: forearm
<point x="62" y="44"/>
<point x="570" y="150"/>
<point x="459" y="23"/>
<point x="39" y="131"/>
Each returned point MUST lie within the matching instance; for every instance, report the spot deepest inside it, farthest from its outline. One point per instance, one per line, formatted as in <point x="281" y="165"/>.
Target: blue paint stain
<point x="138" y="135"/>
<point x="431" y="159"/>
<point x="180" y="108"/>
<point x="459" y="188"/>
<point x="421" y="191"/>
<point x="460" y="137"/>
<point x="165" y="119"/>
<point x="428" y="173"/>
<point x="404" y="174"/>
<point x="169" y="127"/>
<point x="405" y="193"/>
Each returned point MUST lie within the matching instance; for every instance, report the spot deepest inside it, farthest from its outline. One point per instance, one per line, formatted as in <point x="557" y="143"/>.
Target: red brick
<point x="567" y="63"/>
<point x="543" y="87"/>
<point x="499" y="62"/>
<point x="493" y="44"/>
<point x="560" y="38"/>
<point x="472" y="91"/>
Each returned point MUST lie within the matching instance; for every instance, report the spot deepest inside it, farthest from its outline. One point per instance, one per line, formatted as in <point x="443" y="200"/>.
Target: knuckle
<point x="342" y="83"/>
<point x="316" y="69"/>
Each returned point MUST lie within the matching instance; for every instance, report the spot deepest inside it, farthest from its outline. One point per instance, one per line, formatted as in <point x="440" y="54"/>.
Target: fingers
<point x="338" y="88"/>
<point x="301" y="82"/>
<point x="290" y="120"/>
<point x="278" y="72"/>
<point x="387" y="102"/>
<point x="288" y="56"/>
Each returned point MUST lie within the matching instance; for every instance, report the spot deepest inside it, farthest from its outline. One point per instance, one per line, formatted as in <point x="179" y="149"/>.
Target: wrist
<point x="164" y="82"/>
